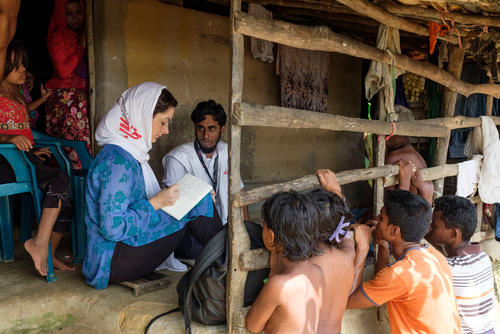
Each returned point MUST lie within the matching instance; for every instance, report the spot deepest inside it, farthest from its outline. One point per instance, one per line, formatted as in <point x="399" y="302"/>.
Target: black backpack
<point x="202" y="290"/>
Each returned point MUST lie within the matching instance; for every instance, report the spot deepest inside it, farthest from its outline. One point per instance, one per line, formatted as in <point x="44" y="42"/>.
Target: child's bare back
<point x="337" y="258"/>
<point x="338" y="268"/>
<point x="292" y="299"/>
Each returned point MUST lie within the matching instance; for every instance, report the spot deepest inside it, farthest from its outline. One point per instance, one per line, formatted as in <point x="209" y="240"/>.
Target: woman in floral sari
<point x="66" y="112"/>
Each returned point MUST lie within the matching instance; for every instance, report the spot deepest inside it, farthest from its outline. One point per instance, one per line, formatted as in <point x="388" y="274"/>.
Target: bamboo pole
<point x="369" y="9"/>
<point x="457" y="122"/>
<point x="89" y="19"/>
<point x="456" y="58"/>
<point x="272" y="116"/>
<point x="378" y="186"/>
<point x="310" y="182"/>
<point x="489" y="103"/>
<point x="238" y="236"/>
<point x="432" y="14"/>
<point x="323" y="39"/>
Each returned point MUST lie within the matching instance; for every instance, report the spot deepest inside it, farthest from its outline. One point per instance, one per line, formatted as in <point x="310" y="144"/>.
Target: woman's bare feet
<point x="58" y="264"/>
<point x="39" y="255"/>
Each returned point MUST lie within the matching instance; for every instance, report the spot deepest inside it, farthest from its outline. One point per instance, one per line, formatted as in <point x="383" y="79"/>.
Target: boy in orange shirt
<point x="417" y="287"/>
<point x="290" y="301"/>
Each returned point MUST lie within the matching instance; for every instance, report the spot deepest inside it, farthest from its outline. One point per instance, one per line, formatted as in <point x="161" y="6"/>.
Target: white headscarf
<point x="129" y="123"/>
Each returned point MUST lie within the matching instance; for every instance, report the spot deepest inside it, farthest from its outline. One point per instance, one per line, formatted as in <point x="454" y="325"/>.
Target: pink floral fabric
<point x="66" y="117"/>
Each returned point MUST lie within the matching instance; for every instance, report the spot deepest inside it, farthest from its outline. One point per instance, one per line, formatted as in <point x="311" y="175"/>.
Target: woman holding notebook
<point x="128" y="235"/>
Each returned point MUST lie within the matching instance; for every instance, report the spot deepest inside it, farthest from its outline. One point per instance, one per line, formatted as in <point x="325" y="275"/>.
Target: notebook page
<point x="191" y="191"/>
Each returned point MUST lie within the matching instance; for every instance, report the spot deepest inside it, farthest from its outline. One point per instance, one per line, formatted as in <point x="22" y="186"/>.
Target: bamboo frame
<point x="242" y="259"/>
<point x="239" y="240"/>
<point x="89" y="19"/>
<point x="456" y="58"/>
<point x="272" y="116"/>
<point x="310" y="182"/>
<point x="379" y="155"/>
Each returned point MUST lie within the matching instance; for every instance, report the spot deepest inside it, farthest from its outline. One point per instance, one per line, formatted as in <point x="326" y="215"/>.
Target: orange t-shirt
<point x="418" y="290"/>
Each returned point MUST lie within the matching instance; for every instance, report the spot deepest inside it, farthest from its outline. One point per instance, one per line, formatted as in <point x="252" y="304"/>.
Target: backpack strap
<point x="213" y="250"/>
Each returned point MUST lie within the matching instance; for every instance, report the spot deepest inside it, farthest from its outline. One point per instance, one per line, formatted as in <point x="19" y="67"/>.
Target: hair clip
<point x="339" y="230"/>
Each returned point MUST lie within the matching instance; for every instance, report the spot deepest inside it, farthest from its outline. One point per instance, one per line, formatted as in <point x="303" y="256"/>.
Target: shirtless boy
<point x="401" y="152"/>
<point x="338" y="252"/>
<point x="290" y="301"/>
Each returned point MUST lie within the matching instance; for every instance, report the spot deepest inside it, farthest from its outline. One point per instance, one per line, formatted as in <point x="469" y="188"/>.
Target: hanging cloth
<point x="484" y="140"/>
<point x="261" y="49"/>
<point x="381" y="76"/>
<point x="304" y="78"/>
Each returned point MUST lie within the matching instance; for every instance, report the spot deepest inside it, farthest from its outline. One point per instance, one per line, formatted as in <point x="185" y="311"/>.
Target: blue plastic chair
<point x="25" y="183"/>
<point x="78" y="182"/>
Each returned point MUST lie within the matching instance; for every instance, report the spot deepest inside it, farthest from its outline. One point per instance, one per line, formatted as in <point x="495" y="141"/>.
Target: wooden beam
<point x="379" y="155"/>
<point x="310" y="182"/>
<point x="432" y="14"/>
<point x="238" y="236"/>
<point x="428" y="174"/>
<point x="489" y="103"/>
<point x="475" y="6"/>
<point x="89" y="26"/>
<point x="254" y="259"/>
<point x="369" y="9"/>
<point x="458" y="122"/>
<point x="323" y="39"/>
<point x="455" y="62"/>
<point x="272" y="116"/>
<point x="240" y="317"/>
<point x="326" y="6"/>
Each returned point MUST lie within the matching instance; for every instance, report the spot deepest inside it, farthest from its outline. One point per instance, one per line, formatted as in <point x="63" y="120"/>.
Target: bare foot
<point x="58" y="264"/>
<point x="39" y="255"/>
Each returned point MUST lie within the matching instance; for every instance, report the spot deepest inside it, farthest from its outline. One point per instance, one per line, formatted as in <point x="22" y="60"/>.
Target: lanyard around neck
<point x="216" y="165"/>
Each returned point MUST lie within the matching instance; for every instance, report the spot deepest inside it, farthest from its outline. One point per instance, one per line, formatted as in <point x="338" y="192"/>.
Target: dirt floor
<point x="29" y="305"/>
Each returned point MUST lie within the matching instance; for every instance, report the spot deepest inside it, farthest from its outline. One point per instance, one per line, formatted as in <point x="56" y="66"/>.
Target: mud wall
<point x="188" y="51"/>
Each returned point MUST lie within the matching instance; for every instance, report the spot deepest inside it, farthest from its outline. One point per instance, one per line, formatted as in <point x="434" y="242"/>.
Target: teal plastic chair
<point x="25" y="183"/>
<point x="78" y="182"/>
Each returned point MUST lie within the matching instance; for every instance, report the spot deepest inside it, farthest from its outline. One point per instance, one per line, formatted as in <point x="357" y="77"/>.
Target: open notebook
<point x="191" y="191"/>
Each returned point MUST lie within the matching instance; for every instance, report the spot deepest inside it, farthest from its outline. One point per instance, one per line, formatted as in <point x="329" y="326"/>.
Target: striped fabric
<point x="473" y="282"/>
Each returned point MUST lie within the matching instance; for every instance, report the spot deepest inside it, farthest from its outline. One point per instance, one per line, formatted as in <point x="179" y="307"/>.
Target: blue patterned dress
<point x="118" y="211"/>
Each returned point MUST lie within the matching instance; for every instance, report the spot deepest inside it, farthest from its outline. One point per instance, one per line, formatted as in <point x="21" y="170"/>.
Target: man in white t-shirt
<point x="206" y="158"/>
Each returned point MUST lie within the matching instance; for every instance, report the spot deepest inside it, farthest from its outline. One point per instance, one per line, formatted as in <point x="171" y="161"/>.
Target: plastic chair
<point x="25" y="183"/>
<point x="78" y="181"/>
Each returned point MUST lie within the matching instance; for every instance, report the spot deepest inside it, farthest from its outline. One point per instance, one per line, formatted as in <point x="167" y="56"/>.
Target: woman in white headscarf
<point x="128" y="235"/>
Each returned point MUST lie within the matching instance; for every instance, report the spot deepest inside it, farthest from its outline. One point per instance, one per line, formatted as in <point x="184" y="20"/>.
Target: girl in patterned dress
<point x="66" y="112"/>
<point x="15" y="129"/>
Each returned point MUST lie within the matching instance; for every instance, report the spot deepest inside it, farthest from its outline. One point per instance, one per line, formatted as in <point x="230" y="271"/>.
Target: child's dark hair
<point x="332" y="209"/>
<point x="412" y="213"/>
<point x="15" y="48"/>
<point x="165" y="101"/>
<point x="293" y="217"/>
<point x="457" y="212"/>
<point x="209" y="107"/>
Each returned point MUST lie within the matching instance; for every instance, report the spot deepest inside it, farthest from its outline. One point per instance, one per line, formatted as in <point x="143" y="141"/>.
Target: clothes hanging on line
<point x="303" y="78"/>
